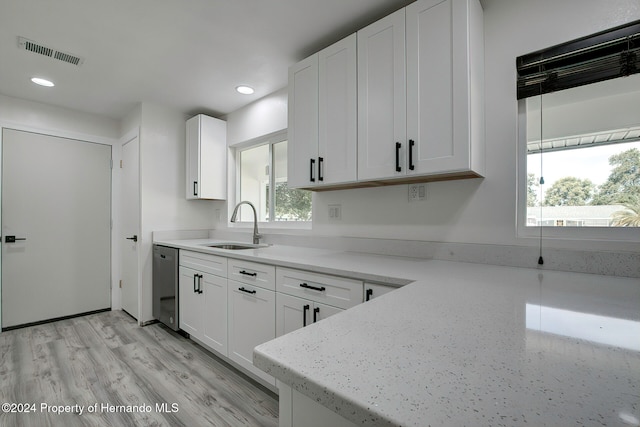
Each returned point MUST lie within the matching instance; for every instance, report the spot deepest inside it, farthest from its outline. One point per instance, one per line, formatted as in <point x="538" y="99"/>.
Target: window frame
<point x="612" y="234"/>
<point x="269" y="139"/>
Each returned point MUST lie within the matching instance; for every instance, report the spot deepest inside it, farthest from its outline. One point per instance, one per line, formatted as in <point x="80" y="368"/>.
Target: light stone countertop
<point x="464" y="344"/>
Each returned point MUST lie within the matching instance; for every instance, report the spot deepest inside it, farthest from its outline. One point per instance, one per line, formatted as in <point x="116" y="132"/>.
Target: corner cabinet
<point x="206" y="156"/>
<point x="420" y="93"/>
<point x="322" y="118"/>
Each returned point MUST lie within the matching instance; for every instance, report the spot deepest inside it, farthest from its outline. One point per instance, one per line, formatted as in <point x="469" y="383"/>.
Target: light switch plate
<point x="335" y="212"/>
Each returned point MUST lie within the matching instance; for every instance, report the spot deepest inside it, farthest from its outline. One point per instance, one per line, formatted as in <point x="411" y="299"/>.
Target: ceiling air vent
<point x="39" y="48"/>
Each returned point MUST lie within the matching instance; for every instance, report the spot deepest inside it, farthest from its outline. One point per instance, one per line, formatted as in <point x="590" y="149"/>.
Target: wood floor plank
<point x="107" y="359"/>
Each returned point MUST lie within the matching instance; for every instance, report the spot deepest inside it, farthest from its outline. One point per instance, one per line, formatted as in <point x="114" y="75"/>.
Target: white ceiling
<point x="187" y="54"/>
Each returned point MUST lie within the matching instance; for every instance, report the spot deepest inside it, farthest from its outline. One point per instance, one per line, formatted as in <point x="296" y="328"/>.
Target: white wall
<point x="162" y="175"/>
<point x="468" y="211"/>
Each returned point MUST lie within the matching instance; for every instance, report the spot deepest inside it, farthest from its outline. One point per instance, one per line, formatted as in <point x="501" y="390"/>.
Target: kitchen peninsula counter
<point x="463" y="344"/>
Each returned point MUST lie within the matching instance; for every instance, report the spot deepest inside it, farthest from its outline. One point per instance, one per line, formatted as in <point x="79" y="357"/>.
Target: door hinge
<point x="120" y="283"/>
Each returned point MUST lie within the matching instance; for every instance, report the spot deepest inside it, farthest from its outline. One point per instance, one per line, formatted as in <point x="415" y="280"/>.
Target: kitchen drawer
<point x="252" y="273"/>
<point x="206" y="263"/>
<point x="330" y="290"/>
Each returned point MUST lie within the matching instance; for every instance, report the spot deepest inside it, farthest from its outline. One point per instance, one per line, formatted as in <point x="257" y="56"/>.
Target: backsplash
<point x="622" y="264"/>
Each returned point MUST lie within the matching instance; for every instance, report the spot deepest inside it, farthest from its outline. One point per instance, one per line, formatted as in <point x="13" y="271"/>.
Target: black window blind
<point x="606" y="55"/>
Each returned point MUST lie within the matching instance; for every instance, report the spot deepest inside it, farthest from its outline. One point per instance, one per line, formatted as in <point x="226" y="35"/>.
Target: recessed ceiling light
<point x="42" y="82"/>
<point x="245" y="90"/>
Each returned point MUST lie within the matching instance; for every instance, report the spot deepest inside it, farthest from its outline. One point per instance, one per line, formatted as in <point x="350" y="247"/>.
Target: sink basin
<point x="235" y="246"/>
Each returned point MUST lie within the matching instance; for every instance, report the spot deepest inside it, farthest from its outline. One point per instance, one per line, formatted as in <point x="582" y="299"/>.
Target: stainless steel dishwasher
<point x="165" y="285"/>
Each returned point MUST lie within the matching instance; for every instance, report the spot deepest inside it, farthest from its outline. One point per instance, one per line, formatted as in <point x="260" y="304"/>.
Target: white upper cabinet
<point x="303" y="123"/>
<point x="206" y="157"/>
<point x="322" y="117"/>
<point x="337" y="102"/>
<point x="382" y="98"/>
<point x="445" y="65"/>
<point x="420" y="105"/>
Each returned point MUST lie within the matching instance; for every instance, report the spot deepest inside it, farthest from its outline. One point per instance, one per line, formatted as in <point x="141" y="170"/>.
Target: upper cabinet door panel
<point x="206" y="158"/>
<point x="303" y="122"/>
<point x="430" y="85"/>
<point x="381" y="97"/>
<point x="337" y="105"/>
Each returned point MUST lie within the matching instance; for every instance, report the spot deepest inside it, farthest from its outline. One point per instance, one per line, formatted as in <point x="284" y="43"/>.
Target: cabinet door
<point x="214" y="328"/>
<point x="437" y="86"/>
<point x="193" y="156"/>
<point x="372" y="290"/>
<point x="382" y="98"/>
<point x="322" y="311"/>
<point x="291" y="313"/>
<point x="337" y="115"/>
<point x="303" y="123"/>
<point x="191" y="303"/>
<point x="252" y="312"/>
<point x="206" y="158"/>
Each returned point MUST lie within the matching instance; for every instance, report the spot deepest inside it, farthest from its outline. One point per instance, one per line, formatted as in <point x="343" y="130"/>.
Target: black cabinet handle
<point x="411" y="144"/>
<point x="247" y="290"/>
<point x="398" y="168"/>
<point x="304" y="285"/>
<point x="304" y="315"/>
<point x="315" y="314"/>
<point x="195" y="188"/>
<point x="320" y="171"/>
<point x="134" y="238"/>
<point x="200" y="277"/>
<point x="311" y="168"/>
<point x="368" y="294"/>
<point x="246" y="273"/>
<point x="195" y="283"/>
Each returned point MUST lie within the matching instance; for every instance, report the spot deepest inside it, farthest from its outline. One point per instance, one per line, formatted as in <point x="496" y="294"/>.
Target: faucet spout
<point x="234" y="218"/>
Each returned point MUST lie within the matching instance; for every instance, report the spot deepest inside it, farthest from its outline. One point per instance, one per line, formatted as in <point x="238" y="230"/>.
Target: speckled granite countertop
<point x="475" y="345"/>
<point x="464" y="344"/>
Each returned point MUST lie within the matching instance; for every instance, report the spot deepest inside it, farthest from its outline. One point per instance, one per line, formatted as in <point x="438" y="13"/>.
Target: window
<point x="580" y="122"/>
<point x="262" y="167"/>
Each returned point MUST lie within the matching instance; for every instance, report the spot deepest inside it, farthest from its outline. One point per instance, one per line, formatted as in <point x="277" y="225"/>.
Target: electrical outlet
<point x="417" y="192"/>
<point x="335" y="212"/>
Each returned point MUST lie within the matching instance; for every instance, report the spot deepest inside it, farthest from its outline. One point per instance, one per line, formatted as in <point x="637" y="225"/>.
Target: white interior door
<point x="130" y="230"/>
<point x="56" y="194"/>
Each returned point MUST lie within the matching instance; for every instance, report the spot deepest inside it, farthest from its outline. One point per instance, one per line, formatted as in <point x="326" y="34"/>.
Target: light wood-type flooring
<point x="107" y="360"/>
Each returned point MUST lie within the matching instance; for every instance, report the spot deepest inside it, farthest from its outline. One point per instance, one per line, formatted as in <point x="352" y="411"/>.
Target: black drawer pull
<point x="195" y="283"/>
<point x="246" y="290"/>
<point x="195" y="188"/>
<point x="304" y="285"/>
<point x="320" y="167"/>
<point x="369" y="294"/>
<point x="315" y="314"/>
<point x="246" y="273"/>
<point x="411" y="144"/>
<point x="398" y="168"/>
<point x="304" y="315"/>
<point x="312" y="163"/>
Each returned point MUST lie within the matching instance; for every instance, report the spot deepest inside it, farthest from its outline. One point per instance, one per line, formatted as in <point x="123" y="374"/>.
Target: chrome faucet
<point x="234" y="217"/>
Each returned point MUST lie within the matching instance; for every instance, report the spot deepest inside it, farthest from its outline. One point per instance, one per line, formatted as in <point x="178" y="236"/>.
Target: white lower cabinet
<point x="252" y="312"/>
<point x="373" y="290"/>
<point x="294" y="313"/>
<point x="297" y="410"/>
<point x="191" y="304"/>
<point x="203" y="307"/>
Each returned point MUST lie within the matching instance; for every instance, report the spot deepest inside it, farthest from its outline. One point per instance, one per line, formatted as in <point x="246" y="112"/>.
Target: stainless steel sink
<point x="236" y="246"/>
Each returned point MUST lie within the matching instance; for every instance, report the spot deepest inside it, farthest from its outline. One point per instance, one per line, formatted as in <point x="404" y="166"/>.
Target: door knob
<point x="134" y="238"/>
